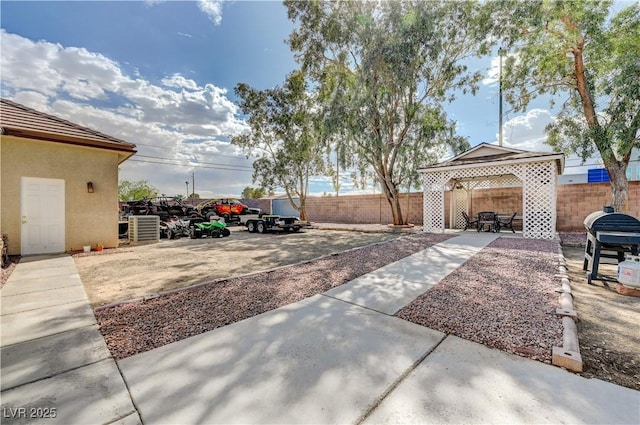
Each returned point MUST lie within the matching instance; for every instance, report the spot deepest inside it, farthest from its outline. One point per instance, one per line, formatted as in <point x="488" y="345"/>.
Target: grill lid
<point x="601" y="221"/>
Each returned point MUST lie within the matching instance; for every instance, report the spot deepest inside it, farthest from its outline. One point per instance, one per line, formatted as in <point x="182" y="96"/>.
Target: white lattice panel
<point x="459" y="202"/>
<point x="499" y="181"/>
<point x="433" y="202"/>
<point x="538" y="180"/>
<point x="539" y="201"/>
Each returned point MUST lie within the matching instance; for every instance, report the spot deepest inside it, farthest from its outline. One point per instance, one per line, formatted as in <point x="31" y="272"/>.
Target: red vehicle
<point x="229" y="209"/>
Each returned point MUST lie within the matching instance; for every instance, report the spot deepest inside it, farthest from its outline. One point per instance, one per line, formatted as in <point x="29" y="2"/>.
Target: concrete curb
<point x="567" y="356"/>
<point x="373" y="228"/>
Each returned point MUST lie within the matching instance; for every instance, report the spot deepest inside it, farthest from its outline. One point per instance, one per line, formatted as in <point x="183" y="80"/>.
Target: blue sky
<point x="161" y="75"/>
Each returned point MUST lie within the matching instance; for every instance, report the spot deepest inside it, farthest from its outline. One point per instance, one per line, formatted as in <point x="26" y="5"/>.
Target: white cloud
<point x="527" y="131"/>
<point x="213" y="9"/>
<point x="493" y="73"/>
<point x="178" y="81"/>
<point x="184" y="34"/>
<point x="177" y="118"/>
<point x="34" y="99"/>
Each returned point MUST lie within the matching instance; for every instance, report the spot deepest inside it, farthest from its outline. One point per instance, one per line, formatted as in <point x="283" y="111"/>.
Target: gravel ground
<point x="8" y="269"/>
<point x="503" y="297"/>
<point x="143" y="325"/>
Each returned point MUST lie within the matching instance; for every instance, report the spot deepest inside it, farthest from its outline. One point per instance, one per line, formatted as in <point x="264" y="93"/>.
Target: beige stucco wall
<point x="90" y="218"/>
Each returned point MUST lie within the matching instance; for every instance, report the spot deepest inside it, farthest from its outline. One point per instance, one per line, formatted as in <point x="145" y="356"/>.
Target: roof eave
<point x="123" y="156"/>
<point x="484" y="145"/>
<point x="556" y="157"/>
<point x="45" y="136"/>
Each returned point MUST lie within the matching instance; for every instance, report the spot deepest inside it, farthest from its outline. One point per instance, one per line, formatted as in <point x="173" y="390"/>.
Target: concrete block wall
<point x="502" y="200"/>
<point x="264" y="204"/>
<point x="363" y="209"/>
<point x="575" y="202"/>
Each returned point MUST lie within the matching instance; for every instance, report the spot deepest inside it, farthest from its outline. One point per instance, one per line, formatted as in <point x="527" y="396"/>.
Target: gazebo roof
<point x="486" y="154"/>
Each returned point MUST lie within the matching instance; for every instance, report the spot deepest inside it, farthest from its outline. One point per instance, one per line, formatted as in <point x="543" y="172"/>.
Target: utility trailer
<point x="264" y="223"/>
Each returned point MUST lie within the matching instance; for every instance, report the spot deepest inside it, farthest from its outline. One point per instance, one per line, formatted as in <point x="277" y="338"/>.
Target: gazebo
<point x="488" y="166"/>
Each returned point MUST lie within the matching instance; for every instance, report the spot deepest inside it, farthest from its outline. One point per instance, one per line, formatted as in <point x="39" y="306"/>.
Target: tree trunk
<point x="303" y="208"/>
<point x="619" y="187"/>
<point x="396" y="210"/>
<point x="393" y="197"/>
<point x="616" y="169"/>
<point x="408" y="197"/>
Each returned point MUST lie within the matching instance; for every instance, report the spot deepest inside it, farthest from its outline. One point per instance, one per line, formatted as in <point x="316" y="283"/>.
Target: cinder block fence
<point x="575" y="202"/>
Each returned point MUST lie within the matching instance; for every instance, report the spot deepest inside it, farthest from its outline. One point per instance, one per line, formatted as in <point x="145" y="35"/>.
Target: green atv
<point x="215" y="229"/>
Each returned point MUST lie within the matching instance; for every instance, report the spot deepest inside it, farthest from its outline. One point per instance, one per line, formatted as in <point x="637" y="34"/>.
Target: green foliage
<point x="383" y="71"/>
<point x="576" y="51"/>
<point x="284" y="136"/>
<point x="253" y="193"/>
<point x="133" y="191"/>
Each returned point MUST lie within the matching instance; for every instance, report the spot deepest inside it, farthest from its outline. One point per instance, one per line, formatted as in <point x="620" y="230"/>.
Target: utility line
<point x="191" y="165"/>
<point x="199" y="162"/>
<point x="217" y="165"/>
<point x="170" y="149"/>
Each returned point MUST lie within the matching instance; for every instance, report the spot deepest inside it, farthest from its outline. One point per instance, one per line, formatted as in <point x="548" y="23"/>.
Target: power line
<point x="199" y="162"/>
<point x="170" y="149"/>
<point x="230" y="168"/>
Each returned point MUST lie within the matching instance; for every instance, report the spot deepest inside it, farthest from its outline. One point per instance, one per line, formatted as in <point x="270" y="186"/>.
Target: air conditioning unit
<point x="144" y="228"/>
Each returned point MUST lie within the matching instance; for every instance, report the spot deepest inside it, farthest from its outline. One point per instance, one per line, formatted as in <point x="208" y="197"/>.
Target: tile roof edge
<point x="60" y="120"/>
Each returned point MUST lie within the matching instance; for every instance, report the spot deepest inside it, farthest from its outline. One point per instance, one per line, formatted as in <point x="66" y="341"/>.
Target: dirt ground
<point x="608" y="322"/>
<point x="133" y="272"/>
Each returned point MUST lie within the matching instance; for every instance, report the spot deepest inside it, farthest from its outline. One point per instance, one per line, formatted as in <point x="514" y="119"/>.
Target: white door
<point x="42" y="216"/>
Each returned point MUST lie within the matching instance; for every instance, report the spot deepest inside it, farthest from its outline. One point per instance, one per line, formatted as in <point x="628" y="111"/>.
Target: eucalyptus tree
<point x="384" y="70"/>
<point x="253" y="193"/>
<point x="284" y="136"/>
<point x="580" y="51"/>
<point x="133" y="191"/>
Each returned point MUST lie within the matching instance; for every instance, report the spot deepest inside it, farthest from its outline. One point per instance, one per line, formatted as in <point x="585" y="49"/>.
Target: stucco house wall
<point x="45" y="165"/>
<point x="90" y="218"/>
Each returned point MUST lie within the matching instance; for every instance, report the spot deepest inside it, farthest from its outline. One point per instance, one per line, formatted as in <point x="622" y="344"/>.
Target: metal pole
<point x="187" y="183"/>
<point x="337" y="174"/>
<point x="500" y="53"/>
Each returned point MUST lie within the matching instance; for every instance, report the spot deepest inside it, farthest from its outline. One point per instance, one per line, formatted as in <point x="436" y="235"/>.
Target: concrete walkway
<point x="56" y="367"/>
<point x="339" y="357"/>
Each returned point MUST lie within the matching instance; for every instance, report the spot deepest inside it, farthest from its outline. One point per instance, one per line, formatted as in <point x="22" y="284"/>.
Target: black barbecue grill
<point x="609" y="235"/>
